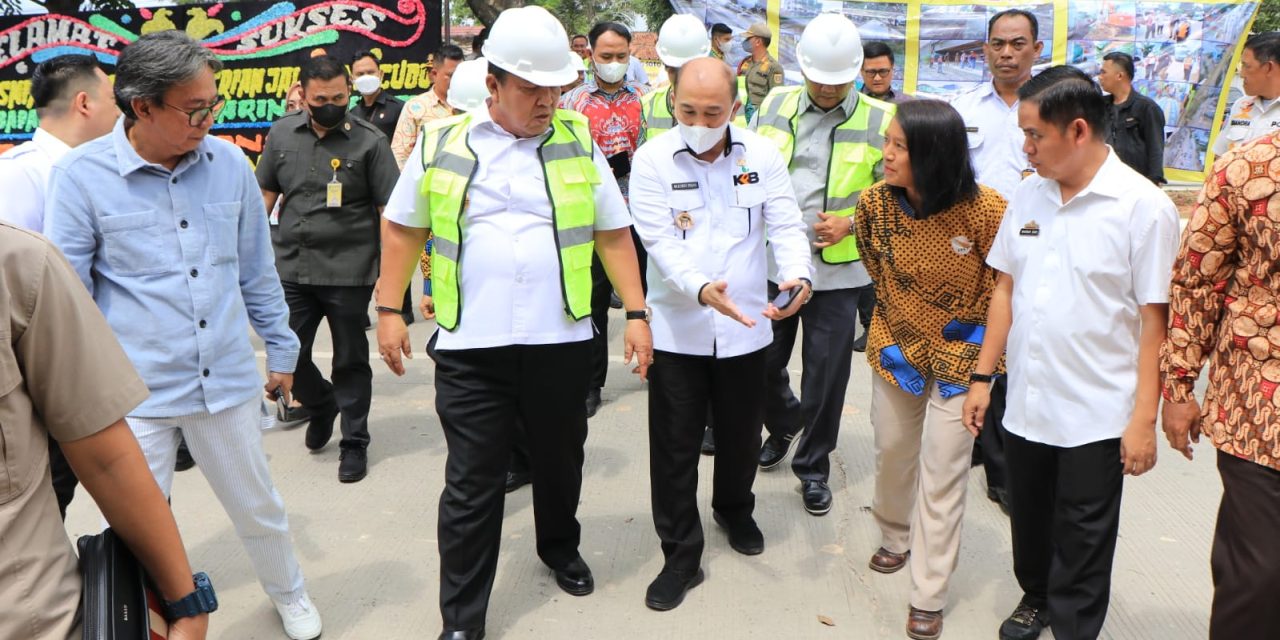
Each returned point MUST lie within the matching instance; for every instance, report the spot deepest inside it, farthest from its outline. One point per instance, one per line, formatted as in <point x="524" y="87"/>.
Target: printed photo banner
<point x="261" y="44"/>
<point x="1186" y="53"/>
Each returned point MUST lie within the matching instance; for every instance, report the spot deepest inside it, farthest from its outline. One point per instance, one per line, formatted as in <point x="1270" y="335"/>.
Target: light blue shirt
<point x="180" y="263"/>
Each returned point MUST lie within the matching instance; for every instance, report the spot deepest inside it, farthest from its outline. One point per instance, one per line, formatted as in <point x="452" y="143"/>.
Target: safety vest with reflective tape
<point x="571" y="177"/>
<point x="656" y="112"/>
<point x="857" y="145"/>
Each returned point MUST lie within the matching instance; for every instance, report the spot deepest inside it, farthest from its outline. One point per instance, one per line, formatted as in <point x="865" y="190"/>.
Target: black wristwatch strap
<point x="202" y="600"/>
<point x="638" y="315"/>
<point x="382" y="309"/>
<point x="979" y="377"/>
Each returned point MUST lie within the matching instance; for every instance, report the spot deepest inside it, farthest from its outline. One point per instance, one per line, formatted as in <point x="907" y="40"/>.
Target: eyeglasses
<point x="999" y="45"/>
<point x="197" y="117"/>
<point x="877" y="73"/>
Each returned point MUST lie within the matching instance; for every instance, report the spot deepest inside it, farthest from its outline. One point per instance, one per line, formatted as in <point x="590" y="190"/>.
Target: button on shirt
<point x="995" y="141"/>
<point x="731" y="217"/>
<point x="510" y="282"/>
<point x="24" y="172"/>
<point x="180" y="263"/>
<point x="1080" y="270"/>
<point x="1251" y="117"/>
<point x="809" y="168"/>
<point x="316" y="244"/>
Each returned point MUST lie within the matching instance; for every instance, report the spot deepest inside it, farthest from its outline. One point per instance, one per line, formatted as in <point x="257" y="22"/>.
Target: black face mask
<point x="329" y="115"/>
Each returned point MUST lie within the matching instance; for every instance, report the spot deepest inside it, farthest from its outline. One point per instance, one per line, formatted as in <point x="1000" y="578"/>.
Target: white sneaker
<point x="300" y="618"/>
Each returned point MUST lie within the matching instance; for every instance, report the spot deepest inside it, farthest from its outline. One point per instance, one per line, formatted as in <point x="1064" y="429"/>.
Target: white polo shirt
<point x="1080" y="271"/>
<point x="24" y="173"/>
<point x="1249" y="118"/>
<point x="995" y="140"/>
<point x="732" y="203"/>
<point x="509" y="267"/>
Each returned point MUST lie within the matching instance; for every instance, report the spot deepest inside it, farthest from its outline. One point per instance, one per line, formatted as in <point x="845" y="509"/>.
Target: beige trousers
<point x="922" y="471"/>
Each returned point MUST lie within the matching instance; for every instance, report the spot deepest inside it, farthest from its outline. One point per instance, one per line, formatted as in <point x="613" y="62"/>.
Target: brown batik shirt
<point x="1223" y="304"/>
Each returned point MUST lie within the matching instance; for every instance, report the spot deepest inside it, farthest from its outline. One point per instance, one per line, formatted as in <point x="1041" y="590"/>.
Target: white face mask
<point x="611" y="71"/>
<point x="701" y="139"/>
<point x="368" y="85"/>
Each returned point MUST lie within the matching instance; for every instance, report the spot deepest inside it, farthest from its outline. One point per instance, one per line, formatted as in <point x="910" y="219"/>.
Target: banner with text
<point x="1185" y="52"/>
<point x="262" y="45"/>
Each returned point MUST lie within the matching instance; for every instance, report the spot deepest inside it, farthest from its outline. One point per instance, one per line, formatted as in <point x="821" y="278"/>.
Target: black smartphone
<point x="785" y="298"/>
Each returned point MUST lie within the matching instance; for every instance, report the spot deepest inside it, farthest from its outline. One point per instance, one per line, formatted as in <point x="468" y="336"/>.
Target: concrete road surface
<point x="369" y="549"/>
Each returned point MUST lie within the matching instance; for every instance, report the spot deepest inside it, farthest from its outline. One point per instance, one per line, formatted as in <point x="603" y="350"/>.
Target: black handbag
<point x="117" y="602"/>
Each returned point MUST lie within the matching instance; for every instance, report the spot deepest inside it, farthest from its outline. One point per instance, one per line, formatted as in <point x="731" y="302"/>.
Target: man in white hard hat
<point x="832" y="139"/>
<point x="519" y="201"/>
<point x="703" y="199"/>
<point x="680" y="40"/>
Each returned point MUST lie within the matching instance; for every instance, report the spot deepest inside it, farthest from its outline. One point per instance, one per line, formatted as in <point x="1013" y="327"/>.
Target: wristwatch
<point x="645" y="314"/>
<point x="202" y="600"/>
<point x="980" y="377"/>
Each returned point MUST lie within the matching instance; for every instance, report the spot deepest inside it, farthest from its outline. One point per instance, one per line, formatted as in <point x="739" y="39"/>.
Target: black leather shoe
<point x="817" y="497"/>
<point x="575" y="578"/>
<point x="1025" y="623"/>
<point x="184" y="460"/>
<point x="708" y="442"/>
<point x="320" y="429"/>
<point x="999" y="496"/>
<point x="860" y="344"/>
<point x="667" y="591"/>
<point x="775" y="450"/>
<point x="516" y="479"/>
<point x="353" y="464"/>
<point x="744" y="536"/>
<point x="593" y="402"/>
<point x="467" y="634"/>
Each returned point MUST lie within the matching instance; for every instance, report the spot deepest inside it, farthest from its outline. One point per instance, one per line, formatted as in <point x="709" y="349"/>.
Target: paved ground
<point x="369" y="549"/>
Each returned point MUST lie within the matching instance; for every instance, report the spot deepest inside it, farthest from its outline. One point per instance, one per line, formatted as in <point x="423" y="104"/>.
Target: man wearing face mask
<point x="335" y="173"/>
<point x="833" y="139"/>
<point x="375" y="105"/>
<point x="702" y="200"/>
<point x="612" y="106"/>
<point x="760" y="71"/>
<point x="721" y="40"/>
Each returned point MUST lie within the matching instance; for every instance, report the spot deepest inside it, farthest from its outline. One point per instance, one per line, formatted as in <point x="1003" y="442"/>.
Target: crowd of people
<point x="547" y="181"/>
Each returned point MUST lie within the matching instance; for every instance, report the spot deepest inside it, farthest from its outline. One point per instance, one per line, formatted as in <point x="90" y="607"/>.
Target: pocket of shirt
<point x="1237" y="134"/>
<point x="747" y="202"/>
<point x="15" y="445"/>
<point x="133" y="246"/>
<point x="223" y="220"/>
<point x="975" y="139"/>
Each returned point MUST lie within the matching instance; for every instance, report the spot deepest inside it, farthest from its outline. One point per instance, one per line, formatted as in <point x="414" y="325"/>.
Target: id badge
<point x="333" y="195"/>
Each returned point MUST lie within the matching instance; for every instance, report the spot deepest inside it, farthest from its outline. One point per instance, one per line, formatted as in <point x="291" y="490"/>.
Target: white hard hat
<point x="830" y="50"/>
<point x="467" y="89"/>
<point x="681" y="39"/>
<point x="530" y="43"/>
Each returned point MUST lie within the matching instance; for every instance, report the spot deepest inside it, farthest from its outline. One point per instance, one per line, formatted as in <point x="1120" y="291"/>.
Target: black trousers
<point x="601" y="291"/>
<point x="1246" y="558"/>
<point x="827" y="354"/>
<point x="64" y="479"/>
<point x="991" y="438"/>
<point x="345" y="310"/>
<point x="1064" y="511"/>
<point x="481" y="396"/>
<point x="680" y="389"/>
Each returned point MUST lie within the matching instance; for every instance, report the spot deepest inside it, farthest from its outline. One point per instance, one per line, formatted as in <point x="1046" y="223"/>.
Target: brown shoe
<point x="886" y="561"/>
<point x="924" y="625"/>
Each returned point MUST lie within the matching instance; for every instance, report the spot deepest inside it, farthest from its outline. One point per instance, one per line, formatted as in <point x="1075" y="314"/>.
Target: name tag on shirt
<point x="333" y="194"/>
<point x="1030" y="229"/>
<point x="684" y="186"/>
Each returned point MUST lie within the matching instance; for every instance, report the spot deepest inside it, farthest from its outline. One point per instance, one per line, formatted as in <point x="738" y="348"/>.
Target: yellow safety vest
<point x="571" y="177"/>
<point x="658" y="118"/>
<point x="857" y="146"/>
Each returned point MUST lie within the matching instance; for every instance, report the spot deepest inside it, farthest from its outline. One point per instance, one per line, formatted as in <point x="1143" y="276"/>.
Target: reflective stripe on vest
<point x="857" y="146"/>
<point x="570" y="176"/>
<point x="657" y="115"/>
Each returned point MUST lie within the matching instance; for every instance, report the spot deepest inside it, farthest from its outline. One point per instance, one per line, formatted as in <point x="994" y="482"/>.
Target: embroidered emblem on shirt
<point x="962" y="245"/>
<point x="746" y="178"/>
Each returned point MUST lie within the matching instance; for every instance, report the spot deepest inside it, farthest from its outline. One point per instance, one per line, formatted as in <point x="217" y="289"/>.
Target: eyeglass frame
<point x="877" y="73"/>
<point x="212" y="110"/>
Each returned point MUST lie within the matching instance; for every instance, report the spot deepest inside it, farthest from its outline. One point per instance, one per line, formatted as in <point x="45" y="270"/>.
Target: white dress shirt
<point x="1080" y="270"/>
<point x="1250" y="117"/>
<point x="24" y="172"/>
<point x="995" y="141"/>
<point x="731" y="217"/>
<point x="510" y="288"/>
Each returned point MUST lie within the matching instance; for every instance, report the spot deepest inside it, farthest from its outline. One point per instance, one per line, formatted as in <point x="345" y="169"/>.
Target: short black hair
<point x="477" y="41"/>
<point x="61" y="78"/>
<point x="498" y="73"/>
<point x="939" y="150"/>
<point x="1009" y="13"/>
<point x="450" y="52"/>
<point x="606" y="27"/>
<point x="876" y="49"/>
<point x="578" y="35"/>
<point x="721" y="29"/>
<point x="1122" y="60"/>
<point x="1265" y="46"/>
<point x="325" y="67"/>
<point x="1066" y="94"/>
<point x="361" y="55"/>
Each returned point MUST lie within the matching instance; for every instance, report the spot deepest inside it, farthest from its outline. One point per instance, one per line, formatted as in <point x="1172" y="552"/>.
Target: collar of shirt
<point x="987" y="92"/>
<point x="884" y="97"/>
<point x="1265" y="104"/>
<point x="482" y="122"/>
<point x="1107" y="182"/>
<point x="128" y="160"/>
<point x="49" y="143"/>
<point x="849" y="103"/>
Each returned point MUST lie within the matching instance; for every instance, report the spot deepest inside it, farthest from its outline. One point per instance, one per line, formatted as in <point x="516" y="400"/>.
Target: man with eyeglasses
<point x="877" y="81"/>
<point x="165" y="225"/>
<point x="335" y="172"/>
